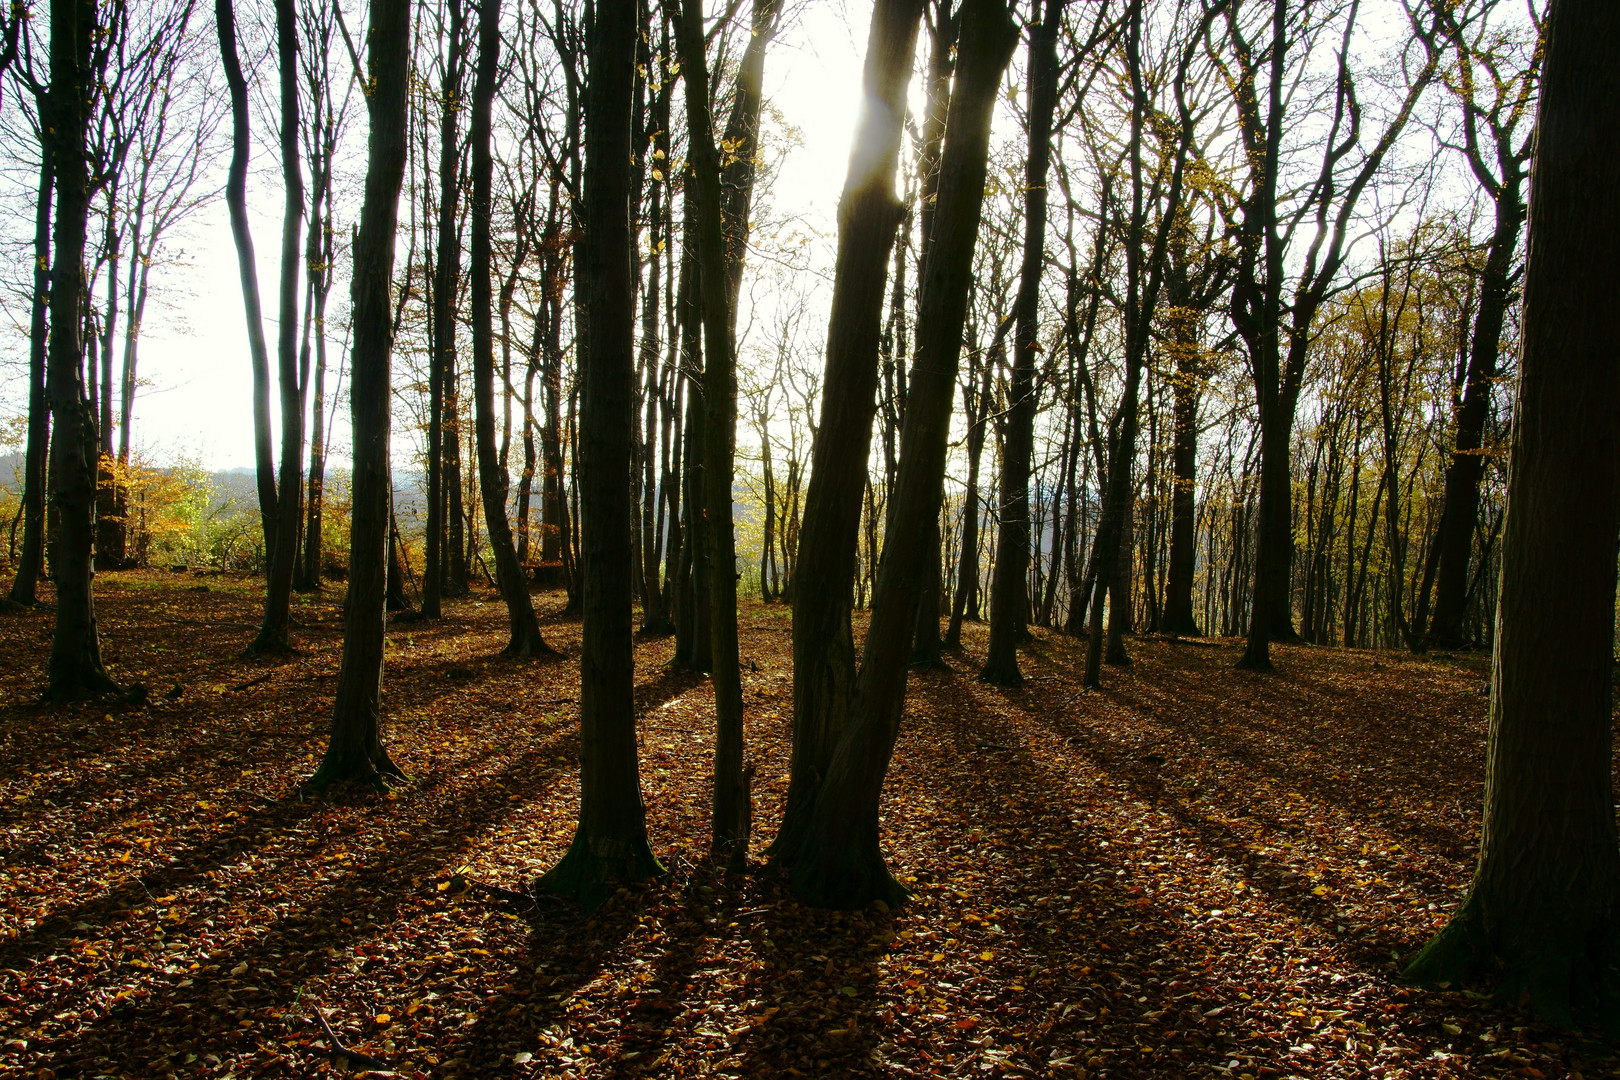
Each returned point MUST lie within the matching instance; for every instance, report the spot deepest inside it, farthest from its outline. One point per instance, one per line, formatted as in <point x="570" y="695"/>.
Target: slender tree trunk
<point x="272" y="637"/>
<point x="1460" y="515"/>
<point x="967" y="571"/>
<point x="25" y="585"/>
<point x="75" y="668"/>
<point x="1541" y="915"/>
<point x="841" y="864"/>
<point x="868" y="217"/>
<point x="610" y="843"/>
<point x="247" y="267"/>
<point x="356" y="750"/>
<point x="1178" y="607"/>
<point x="525" y="637"/>
<point x="1009" y="591"/>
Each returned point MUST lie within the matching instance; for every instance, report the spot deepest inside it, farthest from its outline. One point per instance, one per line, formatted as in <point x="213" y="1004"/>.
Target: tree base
<point x="1116" y="656"/>
<point x="375" y="770"/>
<point x="92" y="681"/>
<point x="529" y="647"/>
<point x="1256" y="660"/>
<point x="1569" y="981"/>
<point x="271" y="642"/>
<point x="590" y="871"/>
<point x="1002" y="673"/>
<point x="848" y="878"/>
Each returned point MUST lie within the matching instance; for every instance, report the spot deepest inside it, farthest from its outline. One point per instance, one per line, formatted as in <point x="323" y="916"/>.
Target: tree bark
<point x="610" y="843"/>
<point x="1460" y="514"/>
<point x="356" y="749"/>
<point x="248" y="269"/>
<point x="868" y="217"/>
<point x="75" y="668"/>
<point x="492" y="478"/>
<point x="1009" y="590"/>
<point x="841" y="864"/>
<point x="272" y="637"/>
<point x="1541" y="915"/>
<point x="25" y="585"/>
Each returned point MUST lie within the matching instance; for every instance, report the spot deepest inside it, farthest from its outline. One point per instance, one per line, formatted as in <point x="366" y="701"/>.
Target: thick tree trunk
<point x="25" y="585"/>
<point x="868" y="217"/>
<point x="841" y="864"/>
<point x="1009" y="590"/>
<point x="1541" y="916"/>
<point x="75" y="668"/>
<point x="248" y="269"/>
<point x="525" y="637"/>
<point x="610" y="843"/>
<point x="356" y="750"/>
<point x="272" y="637"/>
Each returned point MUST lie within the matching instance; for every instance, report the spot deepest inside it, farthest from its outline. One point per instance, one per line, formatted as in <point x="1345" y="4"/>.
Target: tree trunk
<point x="272" y="636"/>
<point x="610" y="843"/>
<point x="868" y="217"/>
<point x="841" y="864"/>
<point x="525" y="637"/>
<point x="75" y="668"/>
<point x="967" y="570"/>
<point x="1178" y="605"/>
<point x="356" y="750"/>
<point x="25" y="585"/>
<point x="1009" y="591"/>
<point x="1460" y="514"/>
<point x="1540" y="916"/>
<point x="248" y="269"/>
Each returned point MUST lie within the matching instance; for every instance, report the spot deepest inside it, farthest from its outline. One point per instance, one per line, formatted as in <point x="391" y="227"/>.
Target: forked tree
<point x="356" y="749"/>
<point x="868" y="217"/>
<point x="841" y="862"/>
<point x="1541" y="915"/>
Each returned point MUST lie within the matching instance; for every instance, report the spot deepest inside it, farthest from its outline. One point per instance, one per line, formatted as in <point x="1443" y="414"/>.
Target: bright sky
<point x="195" y="350"/>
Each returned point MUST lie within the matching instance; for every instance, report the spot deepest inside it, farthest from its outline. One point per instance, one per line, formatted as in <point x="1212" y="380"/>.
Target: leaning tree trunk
<point x="525" y="638"/>
<point x="1459" y="516"/>
<point x="841" y="863"/>
<point x="272" y="637"/>
<point x="1541" y="915"/>
<point x="75" y="668"/>
<point x="356" y="750"/>
<point x="1009" y="589"/>
<point x="25" y="585"/>
<point x="248" y="270"/>
<point x="610" y="843"/>
<point x="824" y="579"/>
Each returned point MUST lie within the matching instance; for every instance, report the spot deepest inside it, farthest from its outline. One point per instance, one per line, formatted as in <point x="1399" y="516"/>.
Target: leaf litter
<point x="1196" y="872"/>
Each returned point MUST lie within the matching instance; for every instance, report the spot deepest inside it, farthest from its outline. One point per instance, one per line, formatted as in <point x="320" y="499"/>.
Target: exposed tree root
<point x="592" y="869"/>
<point x="1003" y="674"/>
<point x="1569" y="978"/>
<point x="374" y="769"/>
<point x="848" y="877"/>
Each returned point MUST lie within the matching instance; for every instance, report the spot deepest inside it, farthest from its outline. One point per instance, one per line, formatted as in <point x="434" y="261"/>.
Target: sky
<point x="194" y="348"/>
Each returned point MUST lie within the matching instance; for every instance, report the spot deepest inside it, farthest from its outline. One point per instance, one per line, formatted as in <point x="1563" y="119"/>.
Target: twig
<point x="342" y="1056"/>
<point x="253" y="682"/>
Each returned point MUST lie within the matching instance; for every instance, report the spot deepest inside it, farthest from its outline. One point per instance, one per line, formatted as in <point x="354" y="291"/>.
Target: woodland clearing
<point x="1195" y="872"/>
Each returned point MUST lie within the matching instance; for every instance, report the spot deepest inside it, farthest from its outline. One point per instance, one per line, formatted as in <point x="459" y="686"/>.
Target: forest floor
<point x="1195" y="872"/>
